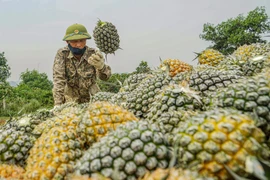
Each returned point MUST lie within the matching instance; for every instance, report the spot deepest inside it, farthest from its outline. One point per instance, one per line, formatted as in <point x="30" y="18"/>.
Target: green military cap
<point x="76" y="32"/>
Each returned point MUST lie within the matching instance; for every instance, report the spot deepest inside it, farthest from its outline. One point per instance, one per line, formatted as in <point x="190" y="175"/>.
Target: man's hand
<point x="96" y="60"/>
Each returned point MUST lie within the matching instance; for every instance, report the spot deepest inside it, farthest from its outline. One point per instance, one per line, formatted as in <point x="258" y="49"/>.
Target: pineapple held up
<point x="106" y="37"/>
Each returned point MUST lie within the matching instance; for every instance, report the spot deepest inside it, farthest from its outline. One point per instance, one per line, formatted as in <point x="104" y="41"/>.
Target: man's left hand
<point x="97" y="60"/>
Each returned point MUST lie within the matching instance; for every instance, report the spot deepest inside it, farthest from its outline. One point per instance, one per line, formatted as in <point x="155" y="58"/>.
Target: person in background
<point x="76" y="68"/>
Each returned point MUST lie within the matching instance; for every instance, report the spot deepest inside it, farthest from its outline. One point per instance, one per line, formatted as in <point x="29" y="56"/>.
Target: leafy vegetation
<point x="235" y="32"/>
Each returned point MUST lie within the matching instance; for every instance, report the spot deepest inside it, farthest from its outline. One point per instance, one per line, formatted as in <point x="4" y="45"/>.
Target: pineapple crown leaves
<point x="197" y="55"/>
<point x="101" y="23"/>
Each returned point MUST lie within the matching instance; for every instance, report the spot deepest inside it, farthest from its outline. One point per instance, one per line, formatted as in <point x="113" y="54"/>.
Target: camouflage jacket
<point x="75" y="80"/>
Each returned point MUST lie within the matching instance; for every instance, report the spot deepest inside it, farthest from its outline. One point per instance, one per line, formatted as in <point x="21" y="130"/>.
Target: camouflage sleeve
<point x="59" y="80"/>
<point x="105" y="73"/>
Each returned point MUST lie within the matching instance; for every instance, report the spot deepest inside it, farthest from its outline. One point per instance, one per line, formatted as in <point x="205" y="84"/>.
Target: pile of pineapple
<point x="178" y="122"/>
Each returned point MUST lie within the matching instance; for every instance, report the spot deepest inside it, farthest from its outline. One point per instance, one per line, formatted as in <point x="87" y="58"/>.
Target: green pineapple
<point x="139" y="100"/>
<point x="106" y="37"/>
<point x="126" y="153"/>
<point x="205" y="79"/>
<point x="102" y="96"/>
<point x="15" y="146"/>
<point x="133" y="80"/>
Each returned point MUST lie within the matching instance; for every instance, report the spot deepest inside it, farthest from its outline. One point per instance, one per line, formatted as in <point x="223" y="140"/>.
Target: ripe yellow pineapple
<point x="175" y="66"/>
<point x="212" y="139"/>
<point x="99" y="118"/>
<point x="54" y="154"/>
<point x="11" y="172"/>
<point x="210" y="57"/>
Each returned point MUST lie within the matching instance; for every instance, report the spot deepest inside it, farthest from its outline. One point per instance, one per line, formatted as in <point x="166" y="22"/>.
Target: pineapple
<point x="174" y="174"/>
<point x="54" y="154"/>
<point x="102" y="96"/>
<point x="106" y="37"/>
<point x="206" y="79"/>
<point x="9" y="172"/>
<point x="256" y="65"/>
<point x="28" y="122"/>
<point x="133" y="80"/>
<point x="210" y="57"/>
<point x="120" y="98"/>
<point x="212" y="139"/>
<point x="99" y="118"/>
<point x="69" y="119"/>
<point x="140" y="99"/>
<point x="15" y="146"/>
<point x="250" y="95"/>
<point x="170" y="120"/>
<point x="126" y="153"/>
<point x="247" y="52"/>
<point x="174" y="98"/>
<point x="175" y="66"/>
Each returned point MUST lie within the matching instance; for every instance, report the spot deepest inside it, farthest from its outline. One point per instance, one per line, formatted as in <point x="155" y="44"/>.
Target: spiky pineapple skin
<point x="139" y="101"/>
<point x="249" y="95"/>
<point x="127" y="153"/>
<point x="133" y="81"/>
<point x="100" y="118"/>
<point x="106" y="37"/>
<point x="210" y="57"/>
<point x="28" y="122"/>
<point x="102" y="96"/>
<point x="54" y="154"/>
<point x="15" y="146"/>
<point x="11" y="172"/>
<point x="175" y="97"/>
<point x="208" y="80"/>
<point x="212" y="139"/>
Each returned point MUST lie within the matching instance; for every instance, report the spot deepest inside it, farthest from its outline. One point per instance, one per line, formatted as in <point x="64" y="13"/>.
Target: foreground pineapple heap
<point x="212" y="139"/>
<point x="175" y="66"/>
<point x="106" y="37"/>
<point x="126" y="153"/>
<point x="63" y="142"/>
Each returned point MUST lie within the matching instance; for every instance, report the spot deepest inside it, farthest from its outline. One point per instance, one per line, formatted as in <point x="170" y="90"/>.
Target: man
<point x="76" y="68"/>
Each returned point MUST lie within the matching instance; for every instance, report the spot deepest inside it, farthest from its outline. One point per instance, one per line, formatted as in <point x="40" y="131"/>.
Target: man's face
<point x="77" y="43"/>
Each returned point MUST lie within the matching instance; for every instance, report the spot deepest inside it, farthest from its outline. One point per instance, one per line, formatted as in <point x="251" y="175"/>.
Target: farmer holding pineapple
<point x="76" y="68"/>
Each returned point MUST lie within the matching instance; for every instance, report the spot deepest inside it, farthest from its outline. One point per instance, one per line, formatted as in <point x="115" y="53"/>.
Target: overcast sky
<point x="31" y="31"/>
